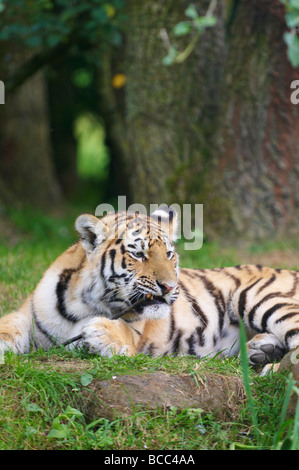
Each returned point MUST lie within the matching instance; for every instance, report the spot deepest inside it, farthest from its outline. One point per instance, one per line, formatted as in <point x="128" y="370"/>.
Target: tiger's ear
<point x="167" y="217"/>
<point x="91" y="230"/>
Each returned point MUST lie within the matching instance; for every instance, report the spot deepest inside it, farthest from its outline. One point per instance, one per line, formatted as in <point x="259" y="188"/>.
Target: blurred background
<point x="164" y="101"/>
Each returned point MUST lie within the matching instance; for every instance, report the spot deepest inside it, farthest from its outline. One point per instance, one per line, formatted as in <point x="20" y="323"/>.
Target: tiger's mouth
<point x="155" y="300"/>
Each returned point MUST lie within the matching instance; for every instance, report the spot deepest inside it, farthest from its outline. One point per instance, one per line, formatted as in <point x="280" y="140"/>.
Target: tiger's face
<point x="135" y="261"/>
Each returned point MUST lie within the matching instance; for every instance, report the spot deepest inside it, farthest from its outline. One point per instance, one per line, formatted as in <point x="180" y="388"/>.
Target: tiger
<point x="125" y="257"/>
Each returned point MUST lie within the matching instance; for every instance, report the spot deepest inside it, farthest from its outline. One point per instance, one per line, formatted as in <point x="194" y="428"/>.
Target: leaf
<point x="191" y="12"/>
<point x="53" y="39"/>
<point x="170" y="58"/>
<point x="182" y="28"/>
<point x="33" y="407"/>
<point x="294" y="4"/>
<point x="110" y="10"/>
<point x="86" y="379"/>
<point x="30" y="431"/>
<point x="292" y="19"/>
<point x="62" y="433"/>
<point x="292" y="42"/>
<point x="70" y="412"/>
<point x="205" y="22"/>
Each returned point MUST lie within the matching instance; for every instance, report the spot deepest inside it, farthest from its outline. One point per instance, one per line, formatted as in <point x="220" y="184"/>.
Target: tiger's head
<point x="129" y="256"/>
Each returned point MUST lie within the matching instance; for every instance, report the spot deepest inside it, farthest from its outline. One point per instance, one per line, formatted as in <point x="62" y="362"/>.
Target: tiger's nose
<point x="165" y="288"/>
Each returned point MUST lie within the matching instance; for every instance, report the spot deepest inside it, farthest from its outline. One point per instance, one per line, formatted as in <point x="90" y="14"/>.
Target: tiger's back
<point x="205" y="319"/>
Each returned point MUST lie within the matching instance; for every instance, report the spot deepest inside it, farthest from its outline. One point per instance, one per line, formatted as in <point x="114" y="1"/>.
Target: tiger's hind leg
<point x="264" y="348"/>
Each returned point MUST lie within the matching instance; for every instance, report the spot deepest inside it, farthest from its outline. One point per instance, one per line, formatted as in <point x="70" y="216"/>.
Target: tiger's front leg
<point x="16" y="331"/>
<point x="107" y="337"/>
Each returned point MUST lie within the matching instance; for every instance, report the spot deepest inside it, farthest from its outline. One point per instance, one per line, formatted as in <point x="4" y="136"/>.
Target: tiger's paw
<point x="107" y="337"/>
<point x="264" y="349"/>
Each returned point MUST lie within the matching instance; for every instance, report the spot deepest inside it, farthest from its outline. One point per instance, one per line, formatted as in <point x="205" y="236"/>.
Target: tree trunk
<point x="25" y="152"/>
<point x="61" y="117"/>
<point x="219" y="129"/>
<point x="257" y="160"/>
<point x="170" y="111"/>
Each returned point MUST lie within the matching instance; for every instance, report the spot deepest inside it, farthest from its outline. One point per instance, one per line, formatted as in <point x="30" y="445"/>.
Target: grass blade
<point x="246" y="378"/>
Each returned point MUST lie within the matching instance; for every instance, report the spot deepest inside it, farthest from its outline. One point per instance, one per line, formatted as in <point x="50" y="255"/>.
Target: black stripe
<point x="112" y="257"/>
<point x="191" y="345"/>
<point x="242" y="298"/>
<point x="200" y="335"/>
<point x="227" y="273"/>
<point x="176" y="342"/>
<point x="172" y="326"/>
<point x="103" y="264"/>
<point x="218" y="299"/>
<point x="194" y="304"/>
<point x="290" y="334"/>
<point x="38" y="324"/>
<point x="286" y="317"/>
<point x="268" y="314"/>
<point x="61" y="288"/>
<point x="270" y="281"/>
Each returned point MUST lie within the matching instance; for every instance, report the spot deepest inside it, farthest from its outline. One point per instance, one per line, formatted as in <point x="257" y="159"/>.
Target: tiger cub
<point x="123" y="258"/>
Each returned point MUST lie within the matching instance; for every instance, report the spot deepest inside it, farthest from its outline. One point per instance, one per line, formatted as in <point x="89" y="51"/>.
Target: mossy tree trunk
<point x="219" y="129"/>
<point x="170" y="111"/>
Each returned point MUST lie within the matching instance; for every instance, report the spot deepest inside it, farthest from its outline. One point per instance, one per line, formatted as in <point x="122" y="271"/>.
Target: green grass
<point x="42" y="406"/>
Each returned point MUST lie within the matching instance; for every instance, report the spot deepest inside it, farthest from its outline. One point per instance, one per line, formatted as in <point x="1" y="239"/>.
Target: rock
<point x="122" y="395"/>
<point x="290" y="362"/>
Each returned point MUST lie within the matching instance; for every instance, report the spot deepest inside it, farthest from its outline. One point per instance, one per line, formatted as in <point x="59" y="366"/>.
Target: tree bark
<point x="170" y="111"/>
<point x="257" y="158"/>
<point x="25" y="152"/>
<point x="218" y="129"/>
<point x="62" y="116"/>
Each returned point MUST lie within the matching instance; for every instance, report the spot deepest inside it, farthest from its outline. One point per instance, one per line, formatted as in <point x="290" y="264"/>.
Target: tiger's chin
<point x="155" y="312"/>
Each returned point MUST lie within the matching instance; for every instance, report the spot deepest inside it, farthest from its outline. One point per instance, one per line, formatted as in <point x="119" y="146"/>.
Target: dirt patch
<point x="122" y="395"/>
<point x="63" y="365"/>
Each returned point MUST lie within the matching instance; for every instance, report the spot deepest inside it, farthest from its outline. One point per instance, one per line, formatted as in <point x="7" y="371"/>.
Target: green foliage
<point x="195" y="26"/>
<point x="291" y="37"/>
<point x="51" y="23"/>
<point x="42" y="407"/>
<point x="92" y="155"/>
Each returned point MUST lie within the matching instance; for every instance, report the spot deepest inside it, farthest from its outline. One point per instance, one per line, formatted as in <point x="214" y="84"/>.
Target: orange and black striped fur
<point x="125" y="256"/>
